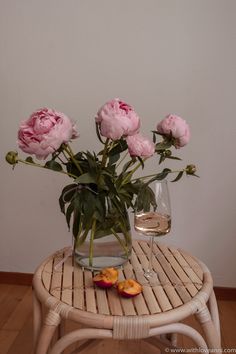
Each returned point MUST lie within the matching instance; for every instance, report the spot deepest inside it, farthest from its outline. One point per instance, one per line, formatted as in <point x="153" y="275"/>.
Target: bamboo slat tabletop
<point x="180" y="278"/>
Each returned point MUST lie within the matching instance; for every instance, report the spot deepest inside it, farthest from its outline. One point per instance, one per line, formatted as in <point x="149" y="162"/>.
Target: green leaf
<point x="69" y="212"/>
<point x="145" y="199"/>
<point x="77" y="216"/>
<point x="160" y="176"/>
<point x="118" y="148"/>
<point x="165" y="144"/>
<point x="86" y="178"/>
<point x="173" y="158"/>
<point x="53" y="165"/>
<point x="92" y="162"/>
<point x="154" y="137"/>
<point x="179" y="175"/>
<point x="113" y="159"/>
<point x="67" y="195"/>
<point x="162" y="158"/>
<point x="141" y="161"/>
<point x="109" y="183"/>
<point x="128" y="164"/>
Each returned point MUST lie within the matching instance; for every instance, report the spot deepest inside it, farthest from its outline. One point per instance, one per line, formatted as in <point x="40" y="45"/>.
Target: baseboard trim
<point x="16" y="278"/>
<point x="222" y="293"/>
<point x="225" y="293"/>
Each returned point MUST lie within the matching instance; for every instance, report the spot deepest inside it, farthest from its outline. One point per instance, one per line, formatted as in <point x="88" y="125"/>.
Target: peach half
<point x="129" y="288"/>
<point x="106" y="278"/>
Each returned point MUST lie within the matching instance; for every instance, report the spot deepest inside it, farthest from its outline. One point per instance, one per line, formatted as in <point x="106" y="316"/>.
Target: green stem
<point x="120" y="242"/>
<point x="80" y="240"/>
<point x="144" y="177"/>
<point x="125" y="232"/>
<point x="104" y="156"/>
<point x="91" y="243"/>
<point x="123" y="158"/>
<point x="69" y="151"/>
<point x="38" y="165"/>
<point x="58" y="157"/>
<point x="127" y="178"/>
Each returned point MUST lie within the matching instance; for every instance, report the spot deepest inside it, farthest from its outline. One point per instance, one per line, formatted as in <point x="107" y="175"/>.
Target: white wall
<point x="161" y="56"/>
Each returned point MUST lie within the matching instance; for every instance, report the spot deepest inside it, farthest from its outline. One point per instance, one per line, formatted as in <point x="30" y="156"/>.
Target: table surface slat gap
<point x="139" y="276"/>
<point x="67" y="287"/>
<point x="165" y="279"/>
<point x="149" y="296"/>
<point x="89" y="292"/>
<point x="193" y="264"/>
<point x="47" y="274"/>
<point x="114" y="303"/>
<point x="182" y="275"/>
<point x="55" y="288"/>
<point x="139" y="302"/>
<point x="78" y="288"/>
<point x="186" y="268"/>
<point x="127" y="304"/>
<point x="175" y="280"/>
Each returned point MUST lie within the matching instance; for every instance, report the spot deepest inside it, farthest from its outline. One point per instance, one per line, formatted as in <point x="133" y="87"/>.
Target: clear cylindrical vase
<point x="107" y="244"/>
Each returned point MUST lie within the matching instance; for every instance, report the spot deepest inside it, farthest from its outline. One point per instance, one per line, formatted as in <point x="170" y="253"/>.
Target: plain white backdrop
<point x="161" y="56"/>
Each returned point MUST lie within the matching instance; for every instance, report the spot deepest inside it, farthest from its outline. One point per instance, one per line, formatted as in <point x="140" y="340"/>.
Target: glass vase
<point x="108" y="244"/>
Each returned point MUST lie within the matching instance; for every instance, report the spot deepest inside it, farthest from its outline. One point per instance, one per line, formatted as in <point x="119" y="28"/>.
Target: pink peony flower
<point x="177" y="128"/>
<point x="44" y="132"/>
<point x="138" y="145"/>
<point x="116" y="119"/>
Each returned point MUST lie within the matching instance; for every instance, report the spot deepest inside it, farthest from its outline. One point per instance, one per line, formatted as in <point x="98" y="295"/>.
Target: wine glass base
<point x="149" y="274"/>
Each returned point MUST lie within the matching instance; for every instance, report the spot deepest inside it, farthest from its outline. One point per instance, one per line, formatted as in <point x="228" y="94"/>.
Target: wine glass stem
<point x="150" y="267"/>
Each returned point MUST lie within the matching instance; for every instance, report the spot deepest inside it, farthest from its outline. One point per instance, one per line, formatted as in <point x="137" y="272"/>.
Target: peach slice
<point x="129" y="288"/>
<point x="106" y="278"/>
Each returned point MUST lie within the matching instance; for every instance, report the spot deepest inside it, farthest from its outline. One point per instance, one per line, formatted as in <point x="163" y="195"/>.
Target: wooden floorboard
<point x="16" y="326"/>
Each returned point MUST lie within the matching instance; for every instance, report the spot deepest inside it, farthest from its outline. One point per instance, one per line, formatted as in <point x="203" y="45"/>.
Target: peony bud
<point x="191" y="169"/>
<point x="11" y="157"/>
<point x="167" y="153"/>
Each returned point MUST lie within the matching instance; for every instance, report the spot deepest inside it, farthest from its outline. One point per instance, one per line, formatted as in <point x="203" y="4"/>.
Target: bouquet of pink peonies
<point x="103" y="185"/>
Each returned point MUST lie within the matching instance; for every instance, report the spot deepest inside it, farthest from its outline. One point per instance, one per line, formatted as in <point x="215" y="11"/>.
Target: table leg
<point x="213" y="308"/>
<point x="77" y="335"/>
<point x="51" y="323"/>
<point x="172" y="337"/>
<point x="175" y="328"/>
<point x="37" y="318"/>
<point x="211" y="334"/>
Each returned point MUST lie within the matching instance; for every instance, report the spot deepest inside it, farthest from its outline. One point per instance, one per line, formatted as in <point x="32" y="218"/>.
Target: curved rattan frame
<point x="126" y="327"/>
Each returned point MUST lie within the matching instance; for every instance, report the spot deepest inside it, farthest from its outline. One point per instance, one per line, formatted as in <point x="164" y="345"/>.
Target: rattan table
<point x="184" y="287"/>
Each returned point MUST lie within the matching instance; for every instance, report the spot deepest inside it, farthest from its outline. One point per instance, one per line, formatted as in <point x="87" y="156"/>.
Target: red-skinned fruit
<point x="129" y="288"/>
<point x="106" y="278"/>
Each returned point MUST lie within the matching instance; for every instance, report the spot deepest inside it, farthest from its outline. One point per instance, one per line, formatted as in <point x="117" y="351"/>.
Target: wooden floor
<point x="16" y="326"/>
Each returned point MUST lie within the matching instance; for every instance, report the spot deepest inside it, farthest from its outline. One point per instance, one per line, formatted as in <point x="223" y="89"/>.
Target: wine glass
<point x="156" y="221"/>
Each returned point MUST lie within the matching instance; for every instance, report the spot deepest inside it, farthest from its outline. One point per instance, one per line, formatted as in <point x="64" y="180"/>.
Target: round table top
<point x="180" y="279"/>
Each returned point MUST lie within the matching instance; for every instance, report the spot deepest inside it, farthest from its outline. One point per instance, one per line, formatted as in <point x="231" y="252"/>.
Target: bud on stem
<point x="190" y="169"/>
<point x="12" y="157"/>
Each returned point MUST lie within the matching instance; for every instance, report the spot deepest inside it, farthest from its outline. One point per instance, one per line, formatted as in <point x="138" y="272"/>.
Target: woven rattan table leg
<point x="181" y="329"/>
<point x="160" y="343"/>
<point x="37" y="317"/>
<point x="213" y="308"/>
<point x="51" y="323"/>
<point x="77" y="335"/>
<point x="61" y="328"/>
<point x="166" y="340"/>
<point x="172" y="337"/>
<point x="211" y="334"/>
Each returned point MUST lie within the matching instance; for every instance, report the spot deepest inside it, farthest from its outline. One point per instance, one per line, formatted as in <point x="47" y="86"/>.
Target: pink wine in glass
<point x="152" y="223"/>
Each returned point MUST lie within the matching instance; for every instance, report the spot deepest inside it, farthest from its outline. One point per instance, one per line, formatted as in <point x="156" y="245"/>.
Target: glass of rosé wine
<point x="154" y="220"/>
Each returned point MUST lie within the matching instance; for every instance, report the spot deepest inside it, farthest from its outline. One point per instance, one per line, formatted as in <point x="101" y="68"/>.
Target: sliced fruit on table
<point x="106" y="278"/>
<point x="129" y="288"/>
